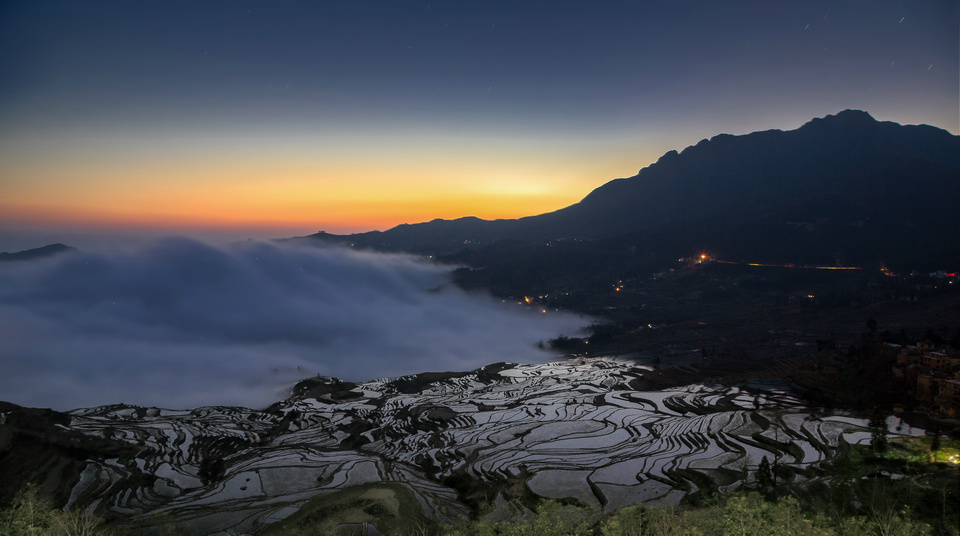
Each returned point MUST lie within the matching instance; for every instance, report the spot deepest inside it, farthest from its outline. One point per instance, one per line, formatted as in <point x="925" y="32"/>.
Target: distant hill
<point x="35" y="253"/>
<point x="840" y="189"/>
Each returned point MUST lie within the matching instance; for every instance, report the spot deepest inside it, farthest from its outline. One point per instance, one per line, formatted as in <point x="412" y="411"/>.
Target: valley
<point x="757" y="304"/>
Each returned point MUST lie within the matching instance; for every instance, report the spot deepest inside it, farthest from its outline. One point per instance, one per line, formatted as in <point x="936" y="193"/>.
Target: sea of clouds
<point x="180" y="323"/>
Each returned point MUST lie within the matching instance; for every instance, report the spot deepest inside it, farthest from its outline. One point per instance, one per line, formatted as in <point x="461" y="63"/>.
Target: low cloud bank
<point x="180" y="324"/>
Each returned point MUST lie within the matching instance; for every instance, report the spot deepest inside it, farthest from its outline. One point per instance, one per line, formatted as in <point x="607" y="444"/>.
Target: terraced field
<point x="571" y="429"/>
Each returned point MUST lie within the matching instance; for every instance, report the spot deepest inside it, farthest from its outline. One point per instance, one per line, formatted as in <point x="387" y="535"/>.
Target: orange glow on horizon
<point x="336" y="217"/>
<point x="336" y="199"/>
<point x="161" y="180"/>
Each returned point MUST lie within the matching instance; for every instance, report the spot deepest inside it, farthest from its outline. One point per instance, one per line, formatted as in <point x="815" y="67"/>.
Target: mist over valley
<point x="179" y="323"/>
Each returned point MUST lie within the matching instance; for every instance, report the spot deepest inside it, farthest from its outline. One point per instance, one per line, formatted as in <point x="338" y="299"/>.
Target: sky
<point x="179" y="323"/>
<point x="236" y="119"/>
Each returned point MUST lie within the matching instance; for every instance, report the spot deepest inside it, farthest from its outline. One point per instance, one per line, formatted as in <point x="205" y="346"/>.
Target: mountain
<point x="35" y="253"/>
<point x="843" y="188"/>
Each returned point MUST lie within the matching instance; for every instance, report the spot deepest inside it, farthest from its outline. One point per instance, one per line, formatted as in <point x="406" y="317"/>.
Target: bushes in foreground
<point x="30" y="515"/>
<point x="744" y="514"/>
<point x="741" y="514"/>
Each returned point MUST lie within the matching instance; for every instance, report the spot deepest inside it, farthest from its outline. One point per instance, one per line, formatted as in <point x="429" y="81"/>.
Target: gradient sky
<point x="282" y="118"/>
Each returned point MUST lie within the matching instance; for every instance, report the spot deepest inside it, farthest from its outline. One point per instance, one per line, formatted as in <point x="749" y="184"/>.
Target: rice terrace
<point x="570" y="431"/>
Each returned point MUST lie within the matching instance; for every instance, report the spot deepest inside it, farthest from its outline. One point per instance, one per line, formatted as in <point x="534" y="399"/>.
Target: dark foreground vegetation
<point x="906" y="487"/>
<point x="30" y="514"/>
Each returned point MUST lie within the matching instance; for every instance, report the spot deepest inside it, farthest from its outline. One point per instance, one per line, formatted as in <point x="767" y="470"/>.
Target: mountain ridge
<point x="35" y="253"/>
<point x="740" y="181"/>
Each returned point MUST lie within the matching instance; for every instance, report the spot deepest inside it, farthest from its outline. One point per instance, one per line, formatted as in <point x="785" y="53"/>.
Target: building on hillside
<point x="938" y="361"/>
<point x="933" y="374"/>
<point x="927" y="388"/>
<point x="949" y="397"/>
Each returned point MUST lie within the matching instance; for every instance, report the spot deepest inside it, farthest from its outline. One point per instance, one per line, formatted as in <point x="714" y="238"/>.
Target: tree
<point x="764" y="474"/>
<point x="32" y="515"/>
<point x="935" y="441"/>
<point x="776" y="456"/>
<point x="743" y="466"/>
<point x="878" y="433"/>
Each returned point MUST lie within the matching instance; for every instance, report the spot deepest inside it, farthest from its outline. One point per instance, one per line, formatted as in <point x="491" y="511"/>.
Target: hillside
<point x="578" y="431"/>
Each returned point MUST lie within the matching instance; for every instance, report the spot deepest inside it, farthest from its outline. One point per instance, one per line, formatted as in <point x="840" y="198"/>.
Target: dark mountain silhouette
<point x="35" y="253"/>
<point x="843" y="188"/>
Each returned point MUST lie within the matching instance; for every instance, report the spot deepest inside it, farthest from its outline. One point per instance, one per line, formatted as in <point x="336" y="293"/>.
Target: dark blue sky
<point x="498" y="109"/>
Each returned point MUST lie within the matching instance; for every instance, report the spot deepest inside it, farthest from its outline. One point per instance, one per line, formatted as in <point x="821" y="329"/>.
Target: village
<point x="930" y="374"/>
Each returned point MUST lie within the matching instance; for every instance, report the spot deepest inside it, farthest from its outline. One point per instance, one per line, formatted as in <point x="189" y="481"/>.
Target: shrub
<point x="31" y="515"/>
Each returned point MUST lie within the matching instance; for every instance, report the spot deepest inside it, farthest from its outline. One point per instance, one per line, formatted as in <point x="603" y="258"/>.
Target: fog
<point x="179" y="323"/>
